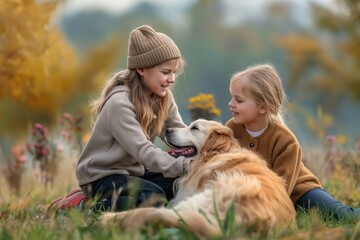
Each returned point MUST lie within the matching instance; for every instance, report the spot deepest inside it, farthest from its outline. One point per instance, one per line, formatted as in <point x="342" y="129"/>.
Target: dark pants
<point x="327" y="205"/>
<point x="121" y="192"/>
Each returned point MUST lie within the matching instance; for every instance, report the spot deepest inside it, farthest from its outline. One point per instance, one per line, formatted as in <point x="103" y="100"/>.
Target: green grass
<point x="30" y="224"/>
<point x="23" y="216"/>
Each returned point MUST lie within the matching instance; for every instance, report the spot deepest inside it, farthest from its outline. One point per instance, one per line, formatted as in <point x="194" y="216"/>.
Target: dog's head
<point x="201" y="137"/>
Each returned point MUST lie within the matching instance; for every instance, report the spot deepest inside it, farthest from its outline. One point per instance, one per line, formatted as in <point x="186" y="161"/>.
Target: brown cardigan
<point x="282" y="151"/>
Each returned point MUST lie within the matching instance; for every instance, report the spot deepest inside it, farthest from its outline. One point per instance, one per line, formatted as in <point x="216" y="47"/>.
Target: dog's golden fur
<point x="221" y="174"/>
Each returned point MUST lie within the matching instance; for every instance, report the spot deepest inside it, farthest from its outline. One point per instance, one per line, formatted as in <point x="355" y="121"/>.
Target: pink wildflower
<point x="331" y="138"/>
<point x="19" y="153"/>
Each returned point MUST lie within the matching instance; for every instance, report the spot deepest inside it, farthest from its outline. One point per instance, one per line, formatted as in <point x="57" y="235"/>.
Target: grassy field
<point x="22" y="215"/>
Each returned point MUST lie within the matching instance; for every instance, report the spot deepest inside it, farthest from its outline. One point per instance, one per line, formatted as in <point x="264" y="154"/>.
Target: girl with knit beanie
<point x="120" y="167"/>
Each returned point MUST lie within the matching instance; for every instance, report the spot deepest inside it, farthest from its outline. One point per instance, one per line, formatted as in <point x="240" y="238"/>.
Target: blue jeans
<point x="327" y="205"/>
<point x="129" y="191"/>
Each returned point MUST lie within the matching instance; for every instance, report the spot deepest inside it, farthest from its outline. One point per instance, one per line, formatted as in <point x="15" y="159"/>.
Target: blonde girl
<point x="257" y="98"/>
<point x="120" y="167"/>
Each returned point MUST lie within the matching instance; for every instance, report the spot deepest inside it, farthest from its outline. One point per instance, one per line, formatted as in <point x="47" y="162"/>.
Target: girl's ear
<point x="140" y="71"/>
<point x="263" y="108"/>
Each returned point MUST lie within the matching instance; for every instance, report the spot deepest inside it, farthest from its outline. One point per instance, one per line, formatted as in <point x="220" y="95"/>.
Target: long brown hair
<point x="151" y="111"/>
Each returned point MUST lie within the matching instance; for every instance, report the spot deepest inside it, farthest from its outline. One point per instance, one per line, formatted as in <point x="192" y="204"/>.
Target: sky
<point x="237" y="11"/>
<point x="119" y="6"/>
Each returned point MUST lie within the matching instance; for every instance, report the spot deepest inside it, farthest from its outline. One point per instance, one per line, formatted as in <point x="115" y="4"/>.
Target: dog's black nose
<point x="169" y="130"/>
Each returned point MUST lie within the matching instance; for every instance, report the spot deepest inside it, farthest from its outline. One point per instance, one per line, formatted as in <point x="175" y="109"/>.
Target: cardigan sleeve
<point x="287" y="161"/>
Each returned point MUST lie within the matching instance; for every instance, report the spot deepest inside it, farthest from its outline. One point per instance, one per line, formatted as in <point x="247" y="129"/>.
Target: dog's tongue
<point x="176" y="152"/>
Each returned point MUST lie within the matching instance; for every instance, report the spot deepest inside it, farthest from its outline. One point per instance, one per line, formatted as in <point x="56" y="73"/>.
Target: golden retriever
<point x="221" y="176"/>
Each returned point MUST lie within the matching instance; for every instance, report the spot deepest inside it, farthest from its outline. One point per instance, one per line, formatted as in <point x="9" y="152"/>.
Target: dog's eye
<point x="194" y="128"/>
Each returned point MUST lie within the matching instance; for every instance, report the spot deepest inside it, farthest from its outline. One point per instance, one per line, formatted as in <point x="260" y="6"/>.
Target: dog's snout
<point x="169" y="131"/>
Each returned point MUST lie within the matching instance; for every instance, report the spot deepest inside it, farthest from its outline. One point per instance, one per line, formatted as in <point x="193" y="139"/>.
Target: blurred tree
<point x="333" y="62"/>
<point x="32" y="54"/>
<point x="39" y="72"/>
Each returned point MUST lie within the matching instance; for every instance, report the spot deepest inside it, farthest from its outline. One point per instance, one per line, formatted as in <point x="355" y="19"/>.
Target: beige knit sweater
<point x="119" y="146"/>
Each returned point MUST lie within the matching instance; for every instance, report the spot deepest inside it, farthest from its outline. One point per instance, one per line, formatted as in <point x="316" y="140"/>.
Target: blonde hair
<point x="146" y="107"/>
<point x="263" y="84"/>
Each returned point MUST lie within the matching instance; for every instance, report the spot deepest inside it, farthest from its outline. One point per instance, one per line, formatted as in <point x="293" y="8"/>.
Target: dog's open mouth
<point x="188" y="151"/>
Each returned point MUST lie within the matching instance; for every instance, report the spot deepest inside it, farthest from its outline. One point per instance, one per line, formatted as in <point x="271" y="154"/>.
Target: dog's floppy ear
<point x="219" y="140"/>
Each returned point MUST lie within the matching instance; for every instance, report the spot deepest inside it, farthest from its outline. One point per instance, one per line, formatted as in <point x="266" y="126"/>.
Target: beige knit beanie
<point x="148" y="48"/>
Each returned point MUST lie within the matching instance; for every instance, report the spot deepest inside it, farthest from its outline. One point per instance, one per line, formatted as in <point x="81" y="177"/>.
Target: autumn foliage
<point x="38" y="68"/>
<point x="203" y="106"/>
<point x="33" y="55"/>
<point x="336" y="56"/>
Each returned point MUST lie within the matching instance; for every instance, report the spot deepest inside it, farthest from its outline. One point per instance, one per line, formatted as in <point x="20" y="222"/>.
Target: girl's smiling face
<point x="244" y="109"/>
<point x="158" y="79"/>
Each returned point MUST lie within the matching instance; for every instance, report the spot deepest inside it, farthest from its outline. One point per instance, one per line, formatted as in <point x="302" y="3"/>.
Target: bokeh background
<point x="55" y="56"/>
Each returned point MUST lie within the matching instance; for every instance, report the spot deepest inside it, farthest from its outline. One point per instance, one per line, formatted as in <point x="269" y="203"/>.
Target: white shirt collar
<point x="257" y="133"/>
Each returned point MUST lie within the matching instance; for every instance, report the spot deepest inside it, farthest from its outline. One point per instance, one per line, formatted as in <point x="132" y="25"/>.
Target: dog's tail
<point x="193" y="221"/>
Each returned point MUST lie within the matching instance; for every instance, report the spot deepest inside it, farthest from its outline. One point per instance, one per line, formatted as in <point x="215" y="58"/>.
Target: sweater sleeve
<point x="128" y="132"/>
<point x="287" y="162"/>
